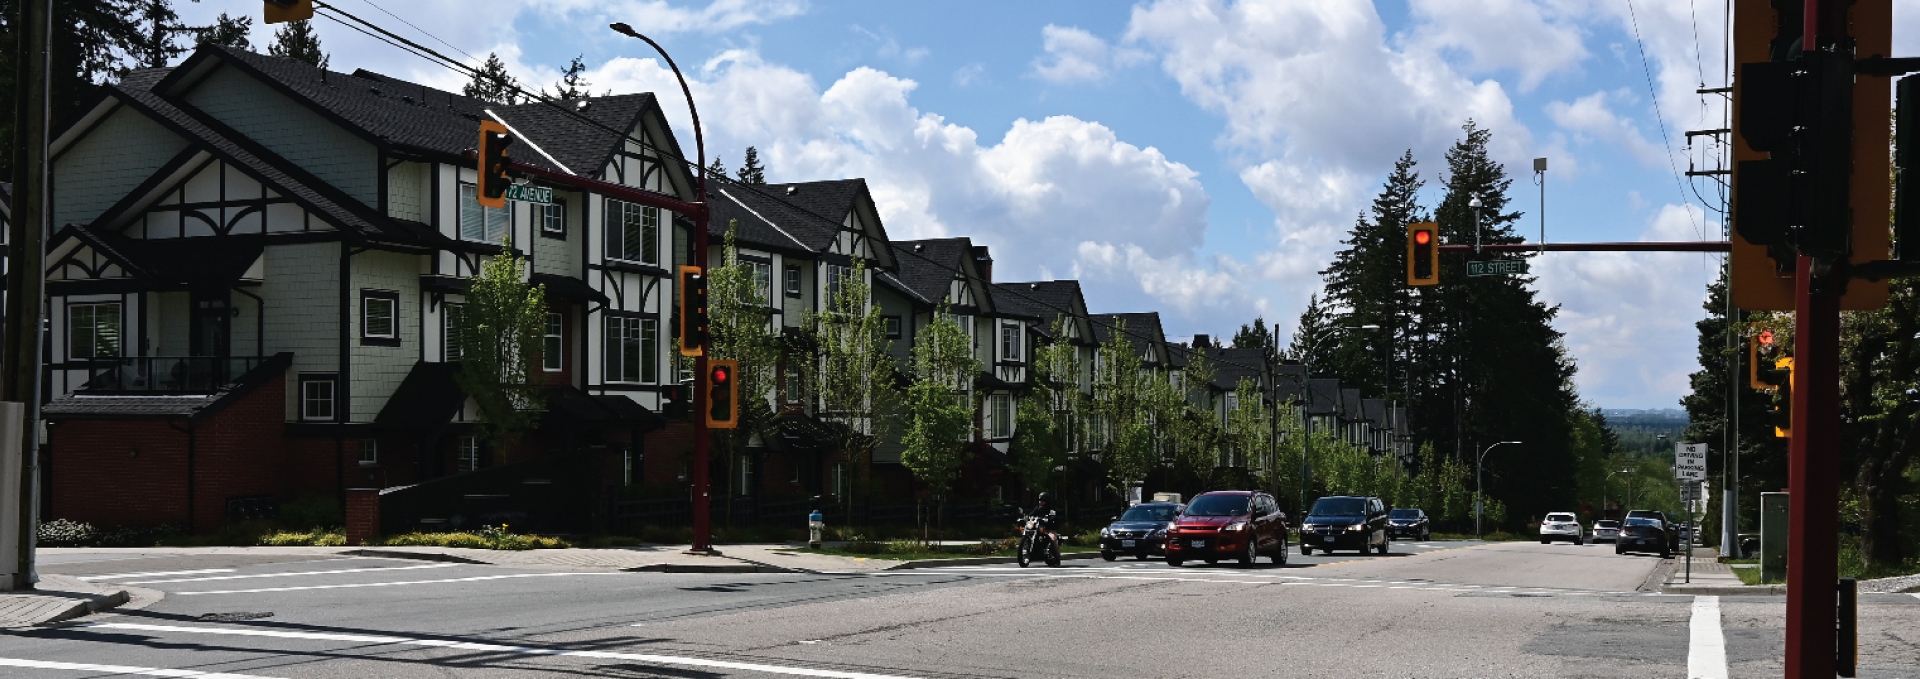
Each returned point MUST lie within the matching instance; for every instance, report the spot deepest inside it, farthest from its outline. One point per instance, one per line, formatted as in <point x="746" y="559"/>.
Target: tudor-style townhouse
<point x="1060" y="316"/>
<point x="257" y="265"/>
<point x="802" y="240"/>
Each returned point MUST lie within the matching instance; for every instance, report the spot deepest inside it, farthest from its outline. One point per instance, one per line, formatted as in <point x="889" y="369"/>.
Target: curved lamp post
<point x="1479" y="492"/>
<point x="702" y="469"/>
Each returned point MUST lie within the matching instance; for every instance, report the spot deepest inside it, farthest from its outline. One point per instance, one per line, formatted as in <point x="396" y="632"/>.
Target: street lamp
<point x="702" y="505"/>
<point x="1603" y="490"/>
<point x="1479" y="492"/>
<point x="1306" y="441"/>
<point x="1475" y="204"/>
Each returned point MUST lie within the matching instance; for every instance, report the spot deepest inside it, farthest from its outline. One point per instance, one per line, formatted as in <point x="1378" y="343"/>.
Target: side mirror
<point x="1116" y="518"/>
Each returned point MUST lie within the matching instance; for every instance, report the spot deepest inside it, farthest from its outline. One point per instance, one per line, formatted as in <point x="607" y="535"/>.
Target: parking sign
<point x="1690" y="461"/>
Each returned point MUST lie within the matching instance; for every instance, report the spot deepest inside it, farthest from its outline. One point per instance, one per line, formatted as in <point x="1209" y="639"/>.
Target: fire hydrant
<point x="816" y="524"/>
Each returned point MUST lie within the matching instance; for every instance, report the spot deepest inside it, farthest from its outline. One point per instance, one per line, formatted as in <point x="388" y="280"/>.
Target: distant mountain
<point x="1640" y="430"/>
<point x="1647" y="414"/>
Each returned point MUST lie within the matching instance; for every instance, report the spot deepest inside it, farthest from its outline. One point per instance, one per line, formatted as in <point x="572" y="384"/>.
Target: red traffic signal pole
<point x="702" y="479"/>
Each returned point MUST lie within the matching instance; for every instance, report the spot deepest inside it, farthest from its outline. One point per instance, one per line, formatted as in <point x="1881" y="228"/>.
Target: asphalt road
<point x="1431" y="609"/>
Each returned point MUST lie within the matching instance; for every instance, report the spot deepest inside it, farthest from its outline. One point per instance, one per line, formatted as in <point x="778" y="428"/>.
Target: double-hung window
<point x="1010" y="342"/>
<point x="551" y="344"/>
<point x="453" y="319"/>
<point x="369" y="452"/>
<point x="467" y="458"/>
<point x="93" y="330"/>
<point x="380" y="316"/>
<point x="317" y="397"/>
<point x="633" y="232"/>
<point x="553" y="218"/>
<point x="480" y="223"/>
<point x="793" y="280"/>
<point x="1002" y="416"/>
<point x="836" y="278"/>
<point x="633" y="348"/>
<point x="763" y="281"/>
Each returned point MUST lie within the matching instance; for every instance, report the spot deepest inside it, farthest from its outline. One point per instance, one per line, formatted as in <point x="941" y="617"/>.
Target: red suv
<point x="1229" y="524"/>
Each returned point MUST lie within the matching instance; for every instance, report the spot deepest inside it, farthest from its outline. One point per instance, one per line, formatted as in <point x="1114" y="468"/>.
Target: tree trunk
<point x="1881" y="479"/>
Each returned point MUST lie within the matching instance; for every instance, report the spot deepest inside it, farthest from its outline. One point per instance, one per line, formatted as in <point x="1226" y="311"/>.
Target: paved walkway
<point x="56" y="598"/>
<point x="1710" y="577"/>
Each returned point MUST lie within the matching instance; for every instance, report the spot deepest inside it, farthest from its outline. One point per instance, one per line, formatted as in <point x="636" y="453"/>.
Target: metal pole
<point x="25" y="299"/>
<point x="1813" y="478"/>
<point x="702" y="481"/>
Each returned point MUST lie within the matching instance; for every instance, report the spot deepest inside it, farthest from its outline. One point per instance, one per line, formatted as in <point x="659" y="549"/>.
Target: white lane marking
<point x="1916" y="596"/>
<point x="497" y="648"/>
<point x="154" y="574"/>
<point x="289" y="575"/>
<point x="1285" y="580"/>
<point x="387" y="584"/>
<point x="1707" y="653"/>
<point x="122" y="669"/>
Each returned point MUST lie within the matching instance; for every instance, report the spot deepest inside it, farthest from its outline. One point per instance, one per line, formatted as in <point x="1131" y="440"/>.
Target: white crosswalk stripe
<point x="122" y="669"/>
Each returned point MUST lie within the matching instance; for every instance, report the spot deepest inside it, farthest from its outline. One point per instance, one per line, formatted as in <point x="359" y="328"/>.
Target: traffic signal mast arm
<point x="609" y="189"/>
<point x="1634" y="246"/>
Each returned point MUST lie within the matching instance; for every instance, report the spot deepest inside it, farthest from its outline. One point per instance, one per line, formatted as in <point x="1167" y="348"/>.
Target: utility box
<point x="1773" y="537"/>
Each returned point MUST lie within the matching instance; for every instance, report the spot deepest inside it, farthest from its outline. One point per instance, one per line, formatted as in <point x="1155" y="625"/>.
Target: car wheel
<point x="1140" y="557"/>
<point x="1280" y="557"/>
<point x="1383" y="548"/>
<point x="1174" y="562"/>
<point x="1618" y="550"/>
<point x="1104" y="554"/>
<point x="1577" y="542"/>
<point x="1252" y="554"/>
<point x="1306" y="549"/>
<point x="1546" y="541"/>
<point x="1211" y="562"/>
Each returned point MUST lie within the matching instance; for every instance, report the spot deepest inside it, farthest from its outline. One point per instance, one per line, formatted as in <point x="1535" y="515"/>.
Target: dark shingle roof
<point x="1325" y="399"/>
<point x="193" y="407"/>
<point x="1142" y="329"/>
<point x="217" y="262"/>
<point x="1350" y="404"/>
<point x="768" y="222"/>
<point x="894" y="283"/>
<point x="1231" y="364"/>
<point x="1290" y="382"/>
<point x="1376" y="412"/>
<point x="582" y="147"/>
<point x="928" y="266"/>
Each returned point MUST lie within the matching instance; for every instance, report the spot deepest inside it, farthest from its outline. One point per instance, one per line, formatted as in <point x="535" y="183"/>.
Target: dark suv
<point x="1408" y="523"/>
<point x="1345" y="522"/>
<point x="1140" y="531"/>
<point x="1229" y="524"/>
<point x="1666" y="525"/>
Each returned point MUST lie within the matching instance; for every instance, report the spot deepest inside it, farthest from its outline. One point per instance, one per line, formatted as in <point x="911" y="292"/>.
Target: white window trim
<point x="554" y="363"/>
<point x="332" y="400"/>
<point x="367" y="298"/>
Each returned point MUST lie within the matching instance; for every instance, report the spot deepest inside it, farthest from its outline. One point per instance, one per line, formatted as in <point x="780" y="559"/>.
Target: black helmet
<point x="1046" y="497"/>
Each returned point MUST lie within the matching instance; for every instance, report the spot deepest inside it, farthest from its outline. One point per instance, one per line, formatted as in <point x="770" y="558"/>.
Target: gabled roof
<point x="1325" y="397"/>
<point x="1290" y="382"/>
<point x="1375" y="410"/>
<point x="1232" y="363"/>
<point x="803" y="216"/>
<point x="165" y="263"/>
<point x="928" y="266"/>
<point x="1142" y="329"/>
<point x="1045" y="301"/>
<point x="1351" y="408"/>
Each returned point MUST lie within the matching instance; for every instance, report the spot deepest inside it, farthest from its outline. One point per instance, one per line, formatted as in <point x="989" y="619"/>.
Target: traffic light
<point x="1423" y="253"/>
<point x="493" y="164"/>
<point x="282" y="11"/>
<point x="1759" y="349"/>
<point x="723" y="391"/>
<point x="693" y="311"/>
<point x="1809" y="137"/>
<point x="1780" y="379"/>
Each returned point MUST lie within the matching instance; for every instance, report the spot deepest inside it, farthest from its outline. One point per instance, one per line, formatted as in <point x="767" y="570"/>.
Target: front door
<point x="212" y="324"/>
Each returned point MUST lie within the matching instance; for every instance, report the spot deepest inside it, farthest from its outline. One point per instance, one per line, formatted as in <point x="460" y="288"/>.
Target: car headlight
<point x="1235" y="526"/>
<point x="1159" y="532"/>
<point x="1357" y="527"/>
<point x="1104" y="532"/>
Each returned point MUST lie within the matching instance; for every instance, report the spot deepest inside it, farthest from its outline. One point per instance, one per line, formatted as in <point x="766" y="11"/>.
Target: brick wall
<point x="363" y="515"/>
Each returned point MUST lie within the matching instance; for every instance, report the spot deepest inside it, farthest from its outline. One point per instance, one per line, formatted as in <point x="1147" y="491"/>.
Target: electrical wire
<point x="407" y="45"/>
<point x="1647" y="68"/>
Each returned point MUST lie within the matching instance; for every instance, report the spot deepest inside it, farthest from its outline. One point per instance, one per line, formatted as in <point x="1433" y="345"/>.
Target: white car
<point x="1561" y="526"/>
<point x="1606" y="529"/>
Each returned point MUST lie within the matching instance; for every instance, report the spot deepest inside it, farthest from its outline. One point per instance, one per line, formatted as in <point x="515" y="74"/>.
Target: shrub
<point x="1087" y="539"/>
<point x="488" y="537"/>
<point x="859" y="544"/>
<point x="328" y="537"/>
<point x="128" y="536"/>
<point x="311" y="511"/>
<point x="66" y="533"/>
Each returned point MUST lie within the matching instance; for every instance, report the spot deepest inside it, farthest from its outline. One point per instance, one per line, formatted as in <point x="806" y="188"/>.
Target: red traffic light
<point x="1423" y="237"/>
<point x="721" y="375"/>
<point x="1766" y="337"/>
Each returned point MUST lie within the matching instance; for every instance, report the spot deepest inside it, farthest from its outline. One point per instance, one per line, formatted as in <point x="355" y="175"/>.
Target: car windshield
<point x="1339" y="506"/>
<point x="1218" y="505"/>
<point x="1405" y="514"/>
<point x="1145" y="513"/>
<point x="1638" y="521"/>
<point x="1560" y="518"/>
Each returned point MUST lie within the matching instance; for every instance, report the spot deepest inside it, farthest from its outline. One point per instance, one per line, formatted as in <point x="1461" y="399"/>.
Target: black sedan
<point x="1644" y="535"/>
<point x="1411" y="524"/>
<point x="1141" y="531"/>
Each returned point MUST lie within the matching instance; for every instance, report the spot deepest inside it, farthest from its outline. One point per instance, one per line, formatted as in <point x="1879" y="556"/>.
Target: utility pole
<point x="21" y="352"/>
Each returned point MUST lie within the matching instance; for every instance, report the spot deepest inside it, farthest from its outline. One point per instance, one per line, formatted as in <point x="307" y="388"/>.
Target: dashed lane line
<point x="122" y="669"/>
<point x="1707" y="650"/>
<point x="678" y="661"/>
<point x="359" y="585"/>
<point x="300" y="573"/>
<point x="153" y="574"/>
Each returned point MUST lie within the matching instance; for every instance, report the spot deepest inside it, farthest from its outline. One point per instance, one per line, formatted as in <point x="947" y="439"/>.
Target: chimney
<point x="984" y="261"/>
<point x="1202" y="342"/>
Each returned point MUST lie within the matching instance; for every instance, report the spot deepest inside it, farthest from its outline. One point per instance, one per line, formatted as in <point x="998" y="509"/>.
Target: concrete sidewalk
<point x="1712" y="578"/>
<point x="56" y="598"/>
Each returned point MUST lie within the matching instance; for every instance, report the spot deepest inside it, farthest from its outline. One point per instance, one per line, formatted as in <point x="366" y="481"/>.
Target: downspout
<point x="259" y="322"/>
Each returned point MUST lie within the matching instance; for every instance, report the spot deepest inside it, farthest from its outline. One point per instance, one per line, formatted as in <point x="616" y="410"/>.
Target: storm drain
<point x="231" y="617"/>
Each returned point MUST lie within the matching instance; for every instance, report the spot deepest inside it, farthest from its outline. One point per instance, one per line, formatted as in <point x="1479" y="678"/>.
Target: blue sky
<point x="1200" y="158"/>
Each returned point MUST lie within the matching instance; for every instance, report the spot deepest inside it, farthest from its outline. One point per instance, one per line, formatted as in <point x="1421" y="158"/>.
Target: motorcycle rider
<point x="1048" y="517"/>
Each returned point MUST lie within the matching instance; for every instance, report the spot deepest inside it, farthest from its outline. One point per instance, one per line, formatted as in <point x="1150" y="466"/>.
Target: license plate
<point x="1328" y="538"/>
<point x="1126" y="543"/>
<point x="1199" y="543"/>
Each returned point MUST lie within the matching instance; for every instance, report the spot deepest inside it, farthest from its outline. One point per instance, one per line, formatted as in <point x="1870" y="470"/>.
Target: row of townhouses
<point x="256" y="267"/>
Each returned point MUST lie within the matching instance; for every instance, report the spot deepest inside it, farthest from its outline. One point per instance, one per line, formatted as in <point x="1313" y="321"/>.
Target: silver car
<point x="1607" y="530"/>
<point x="1561" y="526"/>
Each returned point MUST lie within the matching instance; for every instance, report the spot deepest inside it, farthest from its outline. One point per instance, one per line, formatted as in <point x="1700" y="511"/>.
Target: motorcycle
<point x="1035" y="542"/>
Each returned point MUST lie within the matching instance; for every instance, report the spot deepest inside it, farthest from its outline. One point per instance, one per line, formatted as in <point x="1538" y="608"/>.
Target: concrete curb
<point x="1726" y="590"/>
<point x="52" y="608"/>
<point x="421" y="556"/>
<point x="706" y="568"/>
<point x="980" y="561"/>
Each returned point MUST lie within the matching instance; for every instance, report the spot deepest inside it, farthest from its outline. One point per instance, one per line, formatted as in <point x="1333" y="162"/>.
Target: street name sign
<point x="527" y="193"/>
<point x="1497" y="267"/>
<point x="1690" y="461"/>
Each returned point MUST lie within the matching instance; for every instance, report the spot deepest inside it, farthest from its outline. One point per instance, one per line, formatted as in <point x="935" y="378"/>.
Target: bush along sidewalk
<point x="68" y="533"/>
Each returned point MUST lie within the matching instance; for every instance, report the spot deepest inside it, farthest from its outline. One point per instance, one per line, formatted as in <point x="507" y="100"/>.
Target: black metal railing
<point x="166" y="374"/>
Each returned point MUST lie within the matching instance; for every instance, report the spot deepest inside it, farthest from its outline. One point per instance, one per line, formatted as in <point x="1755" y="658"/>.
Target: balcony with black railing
<point x="159" y="375"/>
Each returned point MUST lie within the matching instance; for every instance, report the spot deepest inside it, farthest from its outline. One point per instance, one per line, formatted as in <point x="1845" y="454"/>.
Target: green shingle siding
<point x="302" y="289"/>
<point x="107" y="163"/>
<point x="378" y="370"/>
<point x="292" y="130"/>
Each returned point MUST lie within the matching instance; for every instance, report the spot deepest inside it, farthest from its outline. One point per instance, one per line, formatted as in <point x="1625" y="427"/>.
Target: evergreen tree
<point x="1366" y="284"/>
<point x="492" y="83"/>
<point x="1258" y="336"/>
<point x="716" y="170"/>
<point x="1763" y="458"/>
<point x="296" y="40"/>
<point x="93" y="41"/>
<point x="573" y="82"/>
<point x="1314" y="339"/>
<point x="227" y="31"/>
<point x="160" y="27"/>
<point x="751" y="172"/>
